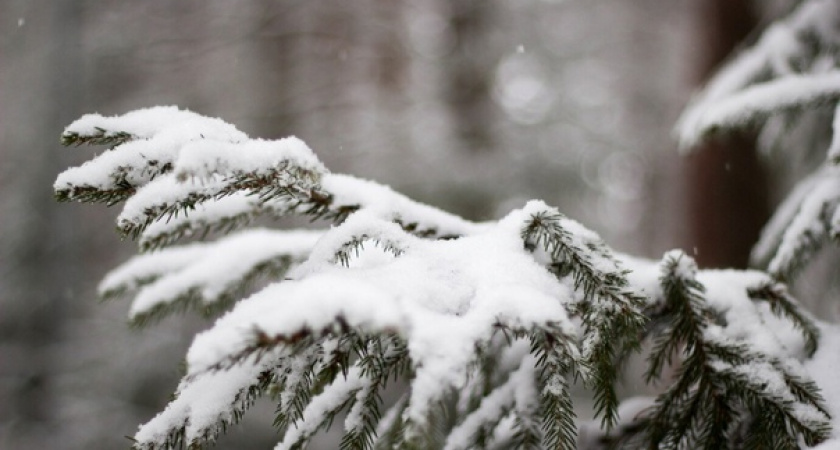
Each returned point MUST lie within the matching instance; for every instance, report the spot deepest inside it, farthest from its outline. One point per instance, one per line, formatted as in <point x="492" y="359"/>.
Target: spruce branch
<point x="717" y="379"/>
<point x="380" y="360"/>
<point x="353" y="248"/>
<point x="194" y="298"/>
<point x="783" y="304"/>
<point x="99" y="136"/>
<point x="206" y="277"/>
<point x="611" y="312"/>
<point x="757" y="102"/>
<point x="206" y="405"/>
<point x="391" y="427"/>
<point x="284" y="181"/>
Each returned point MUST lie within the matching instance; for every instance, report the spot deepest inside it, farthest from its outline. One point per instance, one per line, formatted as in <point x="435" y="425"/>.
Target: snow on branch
<point x="182" y="174"/>
<point x="207" y="276"/>
<point x="733" y="360"/>
<point x="809" y="228"/>
<point x="784" y="70"/>
<point x="284" y="169"/>
<point x="444" y="297"/>
<point x="207" y="404"/>
<point x="148" y="146"/>
<point x="222" y="215"/>
<point x="488" y="320"/>
<point x="464" y="281"/>
<point x="756" y="103"/>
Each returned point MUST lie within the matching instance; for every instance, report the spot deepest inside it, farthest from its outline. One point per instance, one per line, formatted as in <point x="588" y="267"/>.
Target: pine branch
<point x="100" y="136"/>
<point x="297" y="382"/>
<point x="556" y="360"/>
<point x="757" y="102"/>
<point x="391" y="427"/>
<point x="207" y="277"/>
<point x="192" y="298"/>
<point x="322" y="409"/>
<point x="478" y="424"/>
<point x="783" y="304"/>
<point x="610" y="311"/>
<point x="379" y="361"/>
<point x="169" y="196"/>
<point x="356" y="245"/>
<point x="717" y="378"/>
<point x="221" y="216"/>
<point x="205" y="406"/>
<point x="809" y="230"/>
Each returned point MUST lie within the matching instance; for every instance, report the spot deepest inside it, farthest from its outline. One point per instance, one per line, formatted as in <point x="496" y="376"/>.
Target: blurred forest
<point x="472" y="105"/>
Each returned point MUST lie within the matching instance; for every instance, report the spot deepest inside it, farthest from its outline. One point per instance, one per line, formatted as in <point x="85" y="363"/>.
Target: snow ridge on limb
<point x="781" y="71"/>
<point x="284" y="169"/>
<point x="445" y="298"/>
<point x="146" y="143"/>
<point x="205" y="276"/>
<point x="181" y="174"/>
<point x="801" y="227"/>
<point x="756" y="103"/>
<point x="206" y="405"/>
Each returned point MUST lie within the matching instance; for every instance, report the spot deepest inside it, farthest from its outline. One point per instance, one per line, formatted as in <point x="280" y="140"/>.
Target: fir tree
<point x="486" y="323"/>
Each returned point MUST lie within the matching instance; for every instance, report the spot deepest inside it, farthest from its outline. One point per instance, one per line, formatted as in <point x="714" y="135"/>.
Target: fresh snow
<point x="776" y="54"/>
<point x="204" y="158"/>
<point x="443" y="297"/>
<point x="757" y="101"/>
<point x="495" y="405"/>
<point x="222" y="266"/>
<point x="383" y="202"/>
<point x="205" y="402"/>
<point x="809" y="225"/>
<point x="139" y="161"/>
<point x="141" y="123"/>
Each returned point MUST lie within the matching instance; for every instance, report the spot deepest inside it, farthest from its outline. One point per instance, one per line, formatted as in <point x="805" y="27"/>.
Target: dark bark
<point x="469" y="73"/>
<point x="727" y="185"/>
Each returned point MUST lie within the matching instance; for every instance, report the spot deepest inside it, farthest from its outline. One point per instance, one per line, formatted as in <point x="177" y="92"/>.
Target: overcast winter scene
<point x="419" y="224"/>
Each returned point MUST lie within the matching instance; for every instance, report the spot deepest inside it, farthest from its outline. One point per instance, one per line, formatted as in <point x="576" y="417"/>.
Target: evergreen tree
<point x="486" y="323"/>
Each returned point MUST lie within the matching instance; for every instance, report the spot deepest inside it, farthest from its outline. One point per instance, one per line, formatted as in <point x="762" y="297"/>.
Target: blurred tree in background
<point x="470" y="105"/>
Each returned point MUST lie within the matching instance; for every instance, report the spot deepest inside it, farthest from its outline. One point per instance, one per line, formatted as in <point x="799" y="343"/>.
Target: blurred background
<point x="472" y="105"/>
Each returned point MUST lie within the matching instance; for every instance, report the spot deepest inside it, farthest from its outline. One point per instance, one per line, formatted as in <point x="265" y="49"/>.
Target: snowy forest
<point x="430" y="224"/>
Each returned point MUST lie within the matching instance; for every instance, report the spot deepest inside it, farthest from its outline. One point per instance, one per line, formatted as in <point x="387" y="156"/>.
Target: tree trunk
<point x="728" y="201"/>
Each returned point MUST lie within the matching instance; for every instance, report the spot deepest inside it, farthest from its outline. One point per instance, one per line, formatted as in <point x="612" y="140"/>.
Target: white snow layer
<point x="215" y="268"/>
<point x="774" y="230"/>
<point x="205" y="215"/>
<point x="756" y="101"/>
<point x="206" y="401"/>
<point x="442" y="296"/>
<point x="518" y="389"/>
<point x="162" y="133"/>
<point x="809" y="224"/>
<point x="204" y="158"/>
<point x="141" y="123"/>
<point x="383" y="202"/>
<point x="331" y="398"/>
<point x="776" y="54"/>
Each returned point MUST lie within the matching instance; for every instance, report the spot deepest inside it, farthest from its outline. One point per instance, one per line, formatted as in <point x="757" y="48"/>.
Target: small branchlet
<point x="719" y="380"/>
<point x="101" y="136"/>
<point x="611" y="312"/>
<point x="783" y="304"/>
